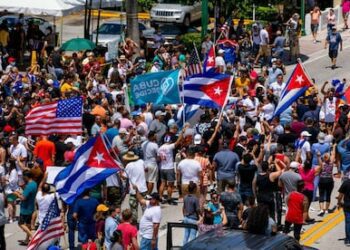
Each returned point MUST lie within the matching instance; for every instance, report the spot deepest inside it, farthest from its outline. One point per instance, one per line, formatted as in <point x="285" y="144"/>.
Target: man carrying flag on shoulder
<point x="295" y="87"/>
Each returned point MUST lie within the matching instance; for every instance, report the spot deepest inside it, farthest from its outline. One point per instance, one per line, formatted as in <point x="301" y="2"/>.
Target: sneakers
<point x="347" y="243"/>
<point x="321" y="213"/>
<point x="172" y="202"/>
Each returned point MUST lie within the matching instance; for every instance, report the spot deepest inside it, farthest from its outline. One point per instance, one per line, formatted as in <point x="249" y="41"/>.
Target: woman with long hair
<point x="308" y="175"/>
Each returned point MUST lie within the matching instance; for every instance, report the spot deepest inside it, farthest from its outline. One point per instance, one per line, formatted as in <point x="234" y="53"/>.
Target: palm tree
<point x="132" y="22"/>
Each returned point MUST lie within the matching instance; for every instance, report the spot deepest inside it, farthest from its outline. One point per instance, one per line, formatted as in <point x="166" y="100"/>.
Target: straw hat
<point x="130" y="156"/>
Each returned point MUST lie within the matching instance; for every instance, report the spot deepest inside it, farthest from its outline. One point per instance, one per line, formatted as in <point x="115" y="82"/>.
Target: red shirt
<point x="128" y="231"/>
<point x="295" y="208"/>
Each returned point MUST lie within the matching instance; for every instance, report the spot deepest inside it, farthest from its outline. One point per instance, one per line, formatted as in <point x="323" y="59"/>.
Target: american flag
<point x="225" y="28"/>
<point x="50" y="229"/>
<point x="61" y="117"/>
<point x="194" y="65"/>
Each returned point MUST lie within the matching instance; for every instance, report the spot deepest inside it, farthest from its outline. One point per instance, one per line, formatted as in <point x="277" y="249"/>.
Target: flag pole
<point x="226" y="99"/>
<point x="199" y="59"/>
<point x="105" y="138"/>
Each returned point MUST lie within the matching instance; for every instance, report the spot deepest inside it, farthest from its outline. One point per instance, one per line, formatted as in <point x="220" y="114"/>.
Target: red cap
<point x="11" y="59"/>
<point x="8" y="129"/>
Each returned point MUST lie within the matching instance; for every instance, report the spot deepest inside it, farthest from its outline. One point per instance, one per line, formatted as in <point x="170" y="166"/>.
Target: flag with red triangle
<point x="209" y="62"/>
<point x="296" y="86"/>
<point x="208" y="90"/>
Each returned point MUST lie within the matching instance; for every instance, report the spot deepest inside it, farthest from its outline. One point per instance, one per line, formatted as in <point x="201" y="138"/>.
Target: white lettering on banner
<point x="153" y="87"/>
<point x="167" y="85"/>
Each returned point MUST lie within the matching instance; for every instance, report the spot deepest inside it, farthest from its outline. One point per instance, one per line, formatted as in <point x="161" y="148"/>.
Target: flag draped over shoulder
<point x="208" y="90"/>
<point x="50" y="230"/>
<point x="61" y="117"/>
<point x="92" y="165"/>
<point x="296" y="86"/>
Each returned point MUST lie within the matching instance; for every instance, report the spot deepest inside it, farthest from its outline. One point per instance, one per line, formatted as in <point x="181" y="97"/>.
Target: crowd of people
<point x="241" y="169"/>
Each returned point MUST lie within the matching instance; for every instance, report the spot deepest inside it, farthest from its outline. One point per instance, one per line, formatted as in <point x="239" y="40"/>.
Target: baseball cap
<point x="102" y="208"/>
<point x="221" y="51"/>
<point x="39" y="161"/>
<point x="159" y="113"/>
<point x="321" y="137"/>
<point x="294" y="164"/>
<point x="123" y="131"/>
<point x="305" y="133"/>
<point x="197" y="139"/>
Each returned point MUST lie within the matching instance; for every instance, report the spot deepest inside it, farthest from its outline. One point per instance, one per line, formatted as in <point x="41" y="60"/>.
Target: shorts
<point x="11" y="197"/>
<point x="345" y="15"/>
<point x="332" y="53"/>
<point x="167" y="175"/>
<point x="184" y="190"/>
<point x="25" y="219"/>
<point x="264" y="51"/>
<point x="314" y="28"/>
<point x="151" y="173"/>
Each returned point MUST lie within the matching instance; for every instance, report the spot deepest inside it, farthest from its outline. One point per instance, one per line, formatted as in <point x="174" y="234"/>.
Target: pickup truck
<point x="175" y="11"/>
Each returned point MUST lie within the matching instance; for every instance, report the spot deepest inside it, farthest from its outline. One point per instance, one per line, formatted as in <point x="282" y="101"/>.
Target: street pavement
<point x="328" y="230"/>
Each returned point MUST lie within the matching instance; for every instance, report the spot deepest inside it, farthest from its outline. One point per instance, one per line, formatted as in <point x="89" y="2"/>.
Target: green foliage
<point x="146" y="5"/>
<point x="190" y="38"/>
<point x="266" y="13"/>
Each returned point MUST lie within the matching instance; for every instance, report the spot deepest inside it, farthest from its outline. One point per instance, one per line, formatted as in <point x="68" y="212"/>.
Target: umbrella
<point x="77" y="44"/>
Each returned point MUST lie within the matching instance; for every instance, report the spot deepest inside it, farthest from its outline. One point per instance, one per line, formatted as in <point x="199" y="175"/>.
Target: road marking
<point x="317" y="226"/>
<point x="324" y="230"/>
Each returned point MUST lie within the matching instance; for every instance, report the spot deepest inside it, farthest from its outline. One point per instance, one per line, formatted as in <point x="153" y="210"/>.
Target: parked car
<point x="234" y="239"/>
<point x="173" y="11"/>
<point x="12" y="20"/>
<point x="112" y="30"/>
<point x="170" y="31"/>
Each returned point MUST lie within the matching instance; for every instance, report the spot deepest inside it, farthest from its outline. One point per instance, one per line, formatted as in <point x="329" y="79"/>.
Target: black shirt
<point x="345" y="189"/>
<point x="246" y="175"/>
<point x="61" y="147"/>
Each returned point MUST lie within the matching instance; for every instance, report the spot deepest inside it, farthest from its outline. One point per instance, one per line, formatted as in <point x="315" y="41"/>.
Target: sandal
<point x="23" y="243"/>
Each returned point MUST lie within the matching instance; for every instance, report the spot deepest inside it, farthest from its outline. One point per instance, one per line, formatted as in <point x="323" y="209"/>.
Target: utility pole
<point x="132" y="21"/>
<point x="302" y="14"/>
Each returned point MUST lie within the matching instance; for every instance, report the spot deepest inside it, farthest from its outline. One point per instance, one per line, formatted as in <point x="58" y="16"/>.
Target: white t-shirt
<point x="44" y="202"/>
<point x="20" y="151"/>
<point x="219" y="61"/>
<point x="166" y="154"/>
<point x="277" y="88"/>
<point x="136" y="173"/>
<point x="150" y="152"/>
<point x="268" y="111"/>
<point x="190" y="170"/>
<point x="251" y="106"/>
<point x="327" y="111"/>
<point x="112" y="181"/>
<point x="304" y="149"/>
<point x="264" y="37"/>
<point x="152" y="214"/>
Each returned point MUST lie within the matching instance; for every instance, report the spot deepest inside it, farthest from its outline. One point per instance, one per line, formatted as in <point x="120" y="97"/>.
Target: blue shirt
<point x="110" y="226"/>
<point x="322" y="147"/>
<point x="226" y="162"/>
<point x="86" y="208"/>
<point x="111" y="133"/>
<point x="217" y="214"/>
<point x="334" y="41"/>
<point x="229" y="54"/>
<point x="29" y="192"/>
<point x="344" y="154"/>
<point x="273" y="73"/>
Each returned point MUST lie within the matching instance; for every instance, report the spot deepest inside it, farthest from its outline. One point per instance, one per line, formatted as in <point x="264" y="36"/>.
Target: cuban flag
<point x="209" y="62"/>
<point x="92" y="165"/>
<point x="296" y="86"/>
<point x="208" y="90"/>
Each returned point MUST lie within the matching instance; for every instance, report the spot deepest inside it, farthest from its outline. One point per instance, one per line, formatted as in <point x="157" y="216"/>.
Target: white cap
<point x="197" y="139"/>
<point x="294" y="164"/>
<point x="159" y="113"/>
<point x="123" y="131"/>
<point x="305" y="133"/>
<point x="221" y="51"/>
<point x="50" y="81"/>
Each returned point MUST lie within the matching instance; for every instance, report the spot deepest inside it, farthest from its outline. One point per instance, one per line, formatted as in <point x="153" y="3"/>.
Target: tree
<point x="132" y="21"/>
